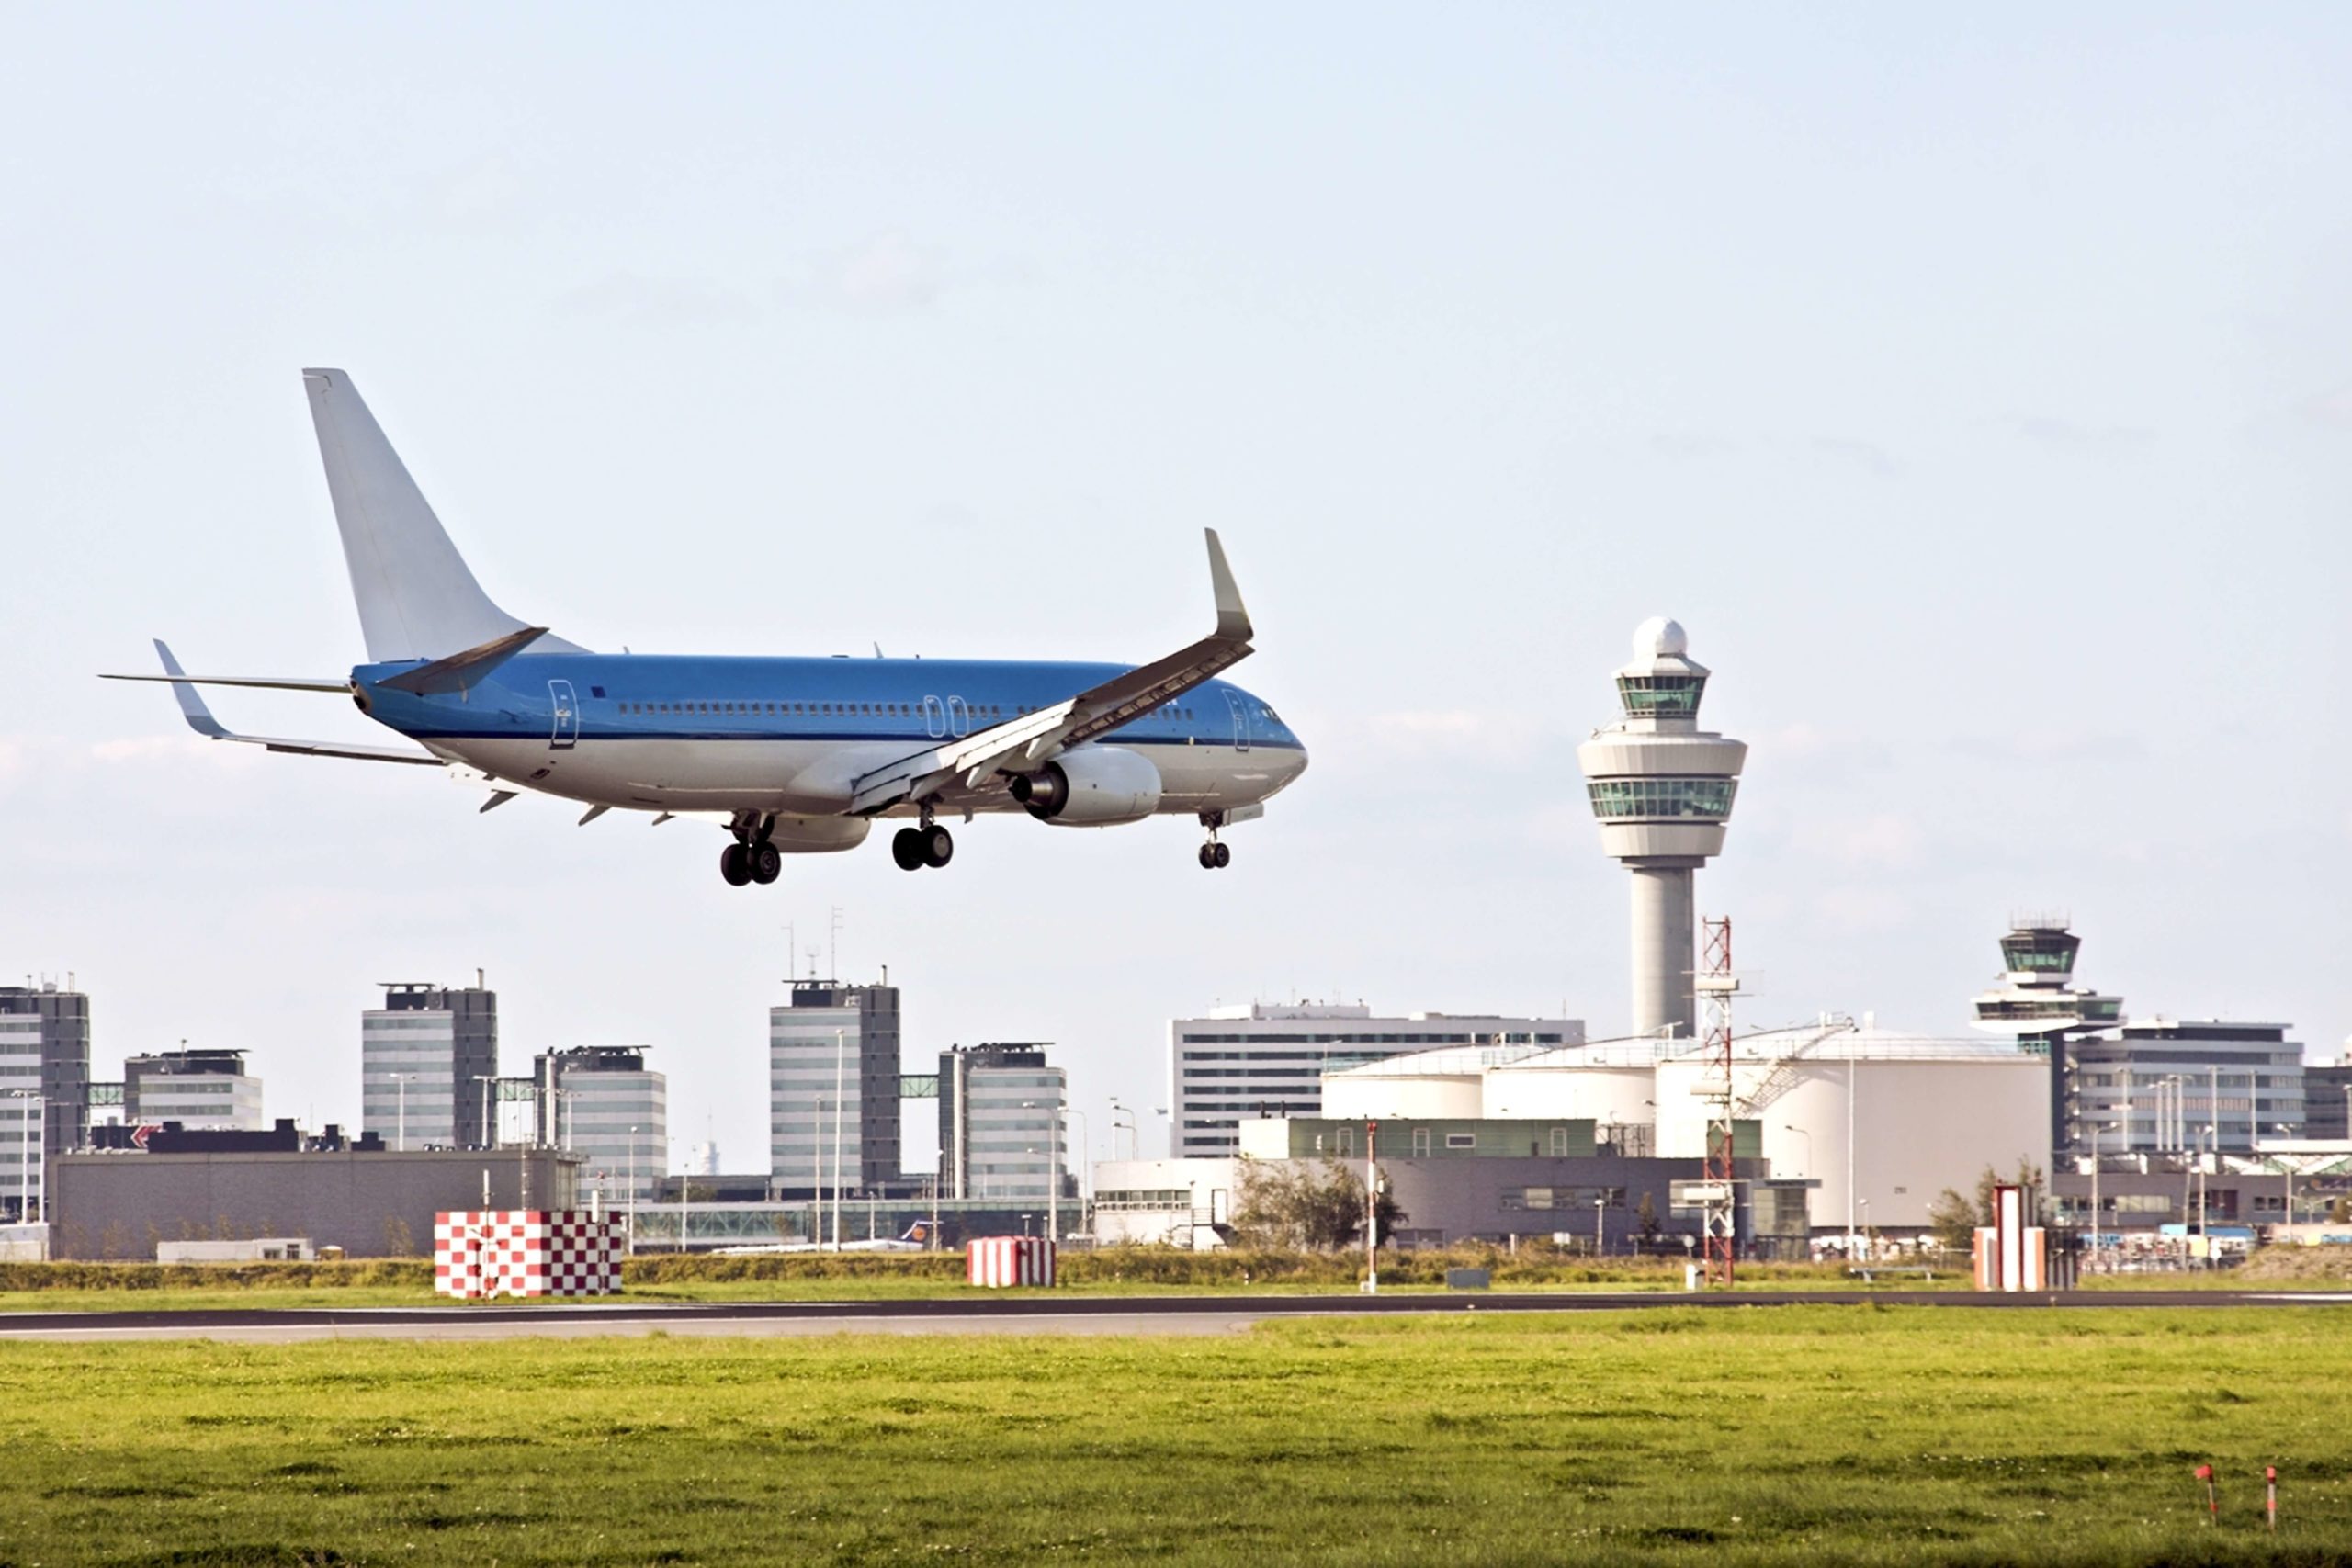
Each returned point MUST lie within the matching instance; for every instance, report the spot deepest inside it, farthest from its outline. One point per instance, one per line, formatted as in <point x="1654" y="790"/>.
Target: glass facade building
<point x="425" y="1057"/>
<point x="1264" y="1060"/>
<point x="603" y="1102"/>
<point x="834" y="1089"/>
<point x="44" y="1086"/>
<point x="198" y="1089"/>
<point x="1004" y="1134"/>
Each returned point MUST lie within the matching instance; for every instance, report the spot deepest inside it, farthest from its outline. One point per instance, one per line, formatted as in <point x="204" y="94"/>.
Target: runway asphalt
<point x="1028" y="1313"/>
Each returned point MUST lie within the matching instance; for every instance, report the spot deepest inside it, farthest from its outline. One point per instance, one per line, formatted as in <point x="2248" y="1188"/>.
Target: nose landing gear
<point x="1215" y="856"/>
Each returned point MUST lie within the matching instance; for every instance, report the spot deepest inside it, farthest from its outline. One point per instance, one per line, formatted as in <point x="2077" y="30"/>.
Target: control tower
<point x="2037" y="1002"/>
<point x="1662" y="789"/>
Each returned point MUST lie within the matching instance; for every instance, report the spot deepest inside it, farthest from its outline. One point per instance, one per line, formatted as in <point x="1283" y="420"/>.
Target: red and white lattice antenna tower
<point x="1716" y="985"/>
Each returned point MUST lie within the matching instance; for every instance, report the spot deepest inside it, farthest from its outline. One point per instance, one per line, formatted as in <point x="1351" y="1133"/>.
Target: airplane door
<point x="959" y="717"/>
<point x="1241" y="721"/>
<point x="935" y="717"/>
<point x="567" y="716"/>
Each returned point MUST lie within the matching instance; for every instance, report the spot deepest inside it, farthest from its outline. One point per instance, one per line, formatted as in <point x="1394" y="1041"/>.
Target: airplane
<point x="795" y="756"/>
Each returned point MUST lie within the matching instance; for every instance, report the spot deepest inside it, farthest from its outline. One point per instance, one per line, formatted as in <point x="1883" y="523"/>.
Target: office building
<point x="423" y="1058"/>
<point x="1662" y="789"/>
<point x="44" y="1086"/>
<point x="2037" y="1004"/>
<point x="603" y="1103"/>
<point x="1261" y="1059"/>
<point x="2327" y="1101"/>
<point x="198" y="1089"/>
<point x="2162" y="1084"/>
<point x="833" y="1088"/>
<point x="1002" y="1127"/>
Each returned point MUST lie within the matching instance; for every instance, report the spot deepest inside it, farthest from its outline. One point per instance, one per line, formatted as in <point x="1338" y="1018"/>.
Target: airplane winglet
<point x="199" y="718"/>
<point x="1232" y="617"/>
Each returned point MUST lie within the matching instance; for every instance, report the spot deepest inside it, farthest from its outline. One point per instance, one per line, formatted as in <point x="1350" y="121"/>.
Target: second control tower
<point x="1662" y="789"/>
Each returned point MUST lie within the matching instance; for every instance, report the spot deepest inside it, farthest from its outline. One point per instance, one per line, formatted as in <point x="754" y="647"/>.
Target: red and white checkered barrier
<point x="482" y="1253"/>
<point x="1000" y="1261"/>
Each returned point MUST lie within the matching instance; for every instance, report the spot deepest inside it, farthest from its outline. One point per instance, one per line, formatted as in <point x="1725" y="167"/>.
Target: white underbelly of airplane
<point x="811" y="778"/>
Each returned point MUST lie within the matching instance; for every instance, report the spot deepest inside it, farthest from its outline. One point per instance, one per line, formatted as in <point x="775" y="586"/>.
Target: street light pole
<point x="1807" y="1136"/>
<point x="632" y="1191"/>
<point x="1600" y="1225"/>
<point x="1085" y="1169"/>
<point x="399" y="1127"/>
<point x="841" y="1046"/>
<point x="33" y="1117"/>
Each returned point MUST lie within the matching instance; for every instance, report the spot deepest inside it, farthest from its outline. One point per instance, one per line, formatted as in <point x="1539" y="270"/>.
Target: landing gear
<point x="928" y="845"/>
<point x="751" y="858"/>
<point x="1215" y="856"/>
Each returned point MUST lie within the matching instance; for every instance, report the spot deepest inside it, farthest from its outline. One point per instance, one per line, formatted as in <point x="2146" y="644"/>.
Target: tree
<point x="1645" y="1218"/>
<point x="2028" y="1176"/>
<point x="1953" y="1219"/>
<point x="1306" y="1205"/>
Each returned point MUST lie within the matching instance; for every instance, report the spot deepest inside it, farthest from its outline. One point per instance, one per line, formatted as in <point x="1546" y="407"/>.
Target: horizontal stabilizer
<point x="199" y="718"/>
<point x="340" y="686"/>
<point x="460" y="670"/>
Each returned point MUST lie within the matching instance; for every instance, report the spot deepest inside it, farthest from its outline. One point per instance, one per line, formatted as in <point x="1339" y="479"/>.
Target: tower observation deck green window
<point x="2039" y="952"/>
<point x="1709" y="799"/>
<point x="1661" y="696"/>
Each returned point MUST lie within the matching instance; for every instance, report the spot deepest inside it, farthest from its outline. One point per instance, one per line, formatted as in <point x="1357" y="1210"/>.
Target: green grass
<point x="1799" y="1435"/>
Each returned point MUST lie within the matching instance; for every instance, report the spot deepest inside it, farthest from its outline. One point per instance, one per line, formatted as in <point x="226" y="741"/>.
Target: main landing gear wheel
<point x="938" y="845"/>
<point x="766" y="864"/>
<point x="735" y="865"/>
<point x="1216" y="857"/>
<point x="906" y="849"/>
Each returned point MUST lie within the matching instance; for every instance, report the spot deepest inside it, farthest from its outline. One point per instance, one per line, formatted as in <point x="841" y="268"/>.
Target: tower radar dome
<point x="1660" y="637"/>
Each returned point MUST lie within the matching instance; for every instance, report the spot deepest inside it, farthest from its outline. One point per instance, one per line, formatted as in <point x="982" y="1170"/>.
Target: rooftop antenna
<point x="835" y="957"/>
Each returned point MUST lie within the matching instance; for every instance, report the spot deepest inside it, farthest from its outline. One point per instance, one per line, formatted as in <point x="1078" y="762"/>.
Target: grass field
<point x="1787" y="1435"/>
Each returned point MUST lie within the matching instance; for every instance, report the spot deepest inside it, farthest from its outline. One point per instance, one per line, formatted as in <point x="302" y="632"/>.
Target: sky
<point x="1972" y="383"/>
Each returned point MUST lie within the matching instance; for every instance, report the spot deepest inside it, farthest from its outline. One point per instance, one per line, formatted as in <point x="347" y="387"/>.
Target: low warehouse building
<point x="372" y="1202"/>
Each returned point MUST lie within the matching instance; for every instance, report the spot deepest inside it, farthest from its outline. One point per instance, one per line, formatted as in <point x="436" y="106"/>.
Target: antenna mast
<point x="1716" y="986"/>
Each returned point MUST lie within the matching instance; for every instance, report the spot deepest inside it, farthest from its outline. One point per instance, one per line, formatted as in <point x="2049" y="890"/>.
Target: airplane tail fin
<point x="417" y="600"/>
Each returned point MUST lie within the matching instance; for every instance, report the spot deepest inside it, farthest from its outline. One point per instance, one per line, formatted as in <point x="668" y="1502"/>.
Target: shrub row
<point x="417" y="1271"/>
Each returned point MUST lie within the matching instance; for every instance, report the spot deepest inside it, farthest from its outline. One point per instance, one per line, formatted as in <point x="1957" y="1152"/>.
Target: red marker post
<point x="2270" y="1495"/>
<point x="2212" y="1498"/>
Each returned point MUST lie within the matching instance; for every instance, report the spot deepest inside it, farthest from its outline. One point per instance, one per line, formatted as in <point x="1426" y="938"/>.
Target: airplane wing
<point x="1020" y="744"/>
<point x="199" y="718"/>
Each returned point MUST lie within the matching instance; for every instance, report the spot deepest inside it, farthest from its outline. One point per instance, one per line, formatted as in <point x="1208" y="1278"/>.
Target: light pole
<point x="1869" y="1245"/>
<point x="841" y="1046"/>
<point x="1135" y="1134"/>
<point x="1052" y="1164"/>
<point x="1600" y="1225"/>
<point x="632" y="1191"/>
<point x="33" y="1117"/>
<point x="817" y="1178"/>
<point x="1807" y="1136"/>
<point x="682" y="1196"/>
<point x="1085" y="1170"/>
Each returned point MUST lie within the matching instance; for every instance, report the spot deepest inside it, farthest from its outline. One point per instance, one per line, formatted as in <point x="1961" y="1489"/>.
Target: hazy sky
<point x="1973" y="385"/>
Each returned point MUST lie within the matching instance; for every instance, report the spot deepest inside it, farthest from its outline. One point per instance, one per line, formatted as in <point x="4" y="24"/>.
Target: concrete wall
<point x="120" y="1205"/>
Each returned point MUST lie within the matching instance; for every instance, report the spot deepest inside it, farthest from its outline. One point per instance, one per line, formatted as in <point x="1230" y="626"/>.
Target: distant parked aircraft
<point x="793" y="755"/>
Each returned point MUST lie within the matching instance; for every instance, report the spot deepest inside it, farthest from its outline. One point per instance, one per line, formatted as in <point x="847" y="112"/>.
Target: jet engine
<point x="1093" y="786"/>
